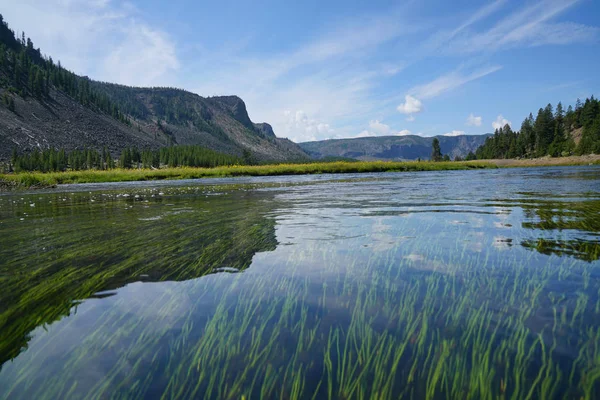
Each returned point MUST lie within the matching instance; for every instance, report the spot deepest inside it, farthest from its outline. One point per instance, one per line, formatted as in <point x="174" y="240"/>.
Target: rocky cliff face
<point x="393" y="147"/>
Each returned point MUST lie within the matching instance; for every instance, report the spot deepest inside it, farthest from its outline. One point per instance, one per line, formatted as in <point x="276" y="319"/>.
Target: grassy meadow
<point x="44" y="179"/>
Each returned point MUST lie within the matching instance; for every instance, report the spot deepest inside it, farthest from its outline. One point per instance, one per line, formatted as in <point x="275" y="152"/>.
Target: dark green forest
<point x="26" y="72"/>
<point x="52" y="160"/>
<point x="550" y="133"/>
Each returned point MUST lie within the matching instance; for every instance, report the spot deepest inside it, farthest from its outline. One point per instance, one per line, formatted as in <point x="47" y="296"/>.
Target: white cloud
<point x="337" y="80"/>
<point x="411" y="105"/>
<point x="500" y="122"/>
<point x="379" y="127"/>
<point x="449" y="82"/>
<point x="299" y="127"/>
<point x="455" y="133"/>
<point x="143" y="58"/>
<point x="103" y="39"/>
<point x="563" y="33"/>
<point x="392" y="69"/>
<point x="365" y="133"/>
<point x="531" y="25"/>
<point x="472" y="120"/>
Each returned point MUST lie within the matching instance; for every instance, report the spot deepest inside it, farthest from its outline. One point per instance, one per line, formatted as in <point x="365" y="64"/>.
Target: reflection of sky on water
<point x="355" y="231"/>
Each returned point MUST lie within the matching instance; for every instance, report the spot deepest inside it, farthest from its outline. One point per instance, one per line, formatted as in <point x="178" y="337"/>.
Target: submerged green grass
<point x="312" y="319"/>
<point x="40" y="179"/>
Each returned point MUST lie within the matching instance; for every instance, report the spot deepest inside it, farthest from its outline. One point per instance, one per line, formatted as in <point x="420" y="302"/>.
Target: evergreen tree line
<point x="175" y="156"/>
<point x="26" y="72"/>
<point x="52" y="160"/>
<point x="548" y="134"/>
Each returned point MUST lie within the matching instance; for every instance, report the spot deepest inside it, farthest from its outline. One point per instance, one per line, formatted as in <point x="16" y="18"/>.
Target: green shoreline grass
<point x="46" y="179"/>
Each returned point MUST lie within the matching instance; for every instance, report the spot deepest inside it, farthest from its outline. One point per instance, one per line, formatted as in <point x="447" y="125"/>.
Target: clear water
<point x="465" y="284"/>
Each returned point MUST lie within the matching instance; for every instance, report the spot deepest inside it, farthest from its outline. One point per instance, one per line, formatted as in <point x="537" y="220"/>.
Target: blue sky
<point x="318" y="70"/>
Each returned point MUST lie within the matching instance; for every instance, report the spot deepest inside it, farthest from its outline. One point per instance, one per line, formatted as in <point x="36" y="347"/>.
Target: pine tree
<point x="39" y="83"/>
<point x="544" y="130"/>
<point x="556" y="148"/>
<point x="47" y="84"/>
<point x="436" y="152"/>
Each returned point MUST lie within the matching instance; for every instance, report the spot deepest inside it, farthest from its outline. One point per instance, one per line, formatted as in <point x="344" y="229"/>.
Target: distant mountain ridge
<point x="46" y="105"/>
<point x="393" y="148"/>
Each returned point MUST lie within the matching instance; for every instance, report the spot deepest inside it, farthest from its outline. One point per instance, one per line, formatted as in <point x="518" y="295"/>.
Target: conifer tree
<point x="558" y="142"/>
<point x="436" y="152"/>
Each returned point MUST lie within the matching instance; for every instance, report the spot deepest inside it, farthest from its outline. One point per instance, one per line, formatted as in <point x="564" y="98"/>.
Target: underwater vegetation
<point x="395" y="286"/>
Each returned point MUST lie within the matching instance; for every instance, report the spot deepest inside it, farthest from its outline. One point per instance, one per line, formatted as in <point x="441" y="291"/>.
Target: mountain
<point x="46" y="105"/>
<point x="408" y="147"/>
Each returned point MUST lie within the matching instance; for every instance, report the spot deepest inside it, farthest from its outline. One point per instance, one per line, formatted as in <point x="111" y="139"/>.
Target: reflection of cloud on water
<point x="414" y="257"/>
<point x="381" y="237"/>
<point x="475" y="241"/>
<point x="380" y="226"/>
<point x="422" y="263"/>
<point x="477" y="222"/>
<point x="101" y="333"/>
<point x="457" y="222"/>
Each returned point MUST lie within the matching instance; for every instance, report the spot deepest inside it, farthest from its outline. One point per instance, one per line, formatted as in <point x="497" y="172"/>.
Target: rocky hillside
<point x="396" y="148"/>
<point x="45" y="105"/>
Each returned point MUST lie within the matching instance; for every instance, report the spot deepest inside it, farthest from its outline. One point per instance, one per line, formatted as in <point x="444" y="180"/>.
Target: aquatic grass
<point x="364" y="324"/>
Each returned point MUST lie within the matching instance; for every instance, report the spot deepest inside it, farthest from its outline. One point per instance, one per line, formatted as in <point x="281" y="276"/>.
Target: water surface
<point x="455" y="284"/>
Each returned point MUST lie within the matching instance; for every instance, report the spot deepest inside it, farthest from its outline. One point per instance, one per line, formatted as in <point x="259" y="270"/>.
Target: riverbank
<point x="40" y="179"/>
<point x="590" y="159"/>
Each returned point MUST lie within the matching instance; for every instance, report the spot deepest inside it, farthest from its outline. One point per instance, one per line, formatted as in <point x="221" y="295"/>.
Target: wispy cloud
<point x="531" y="25"/>
<point x="500" y="122"/>
<point x="413" y="101"/>
<point x="357" y="70"/>
<point x="143" y="58"/>
<point x="99" y="38"/>
<point x="450" y="82"/>
<point x="472" y="120"/>
<point x="378" y="128"/>
<point x="455" y="133"/>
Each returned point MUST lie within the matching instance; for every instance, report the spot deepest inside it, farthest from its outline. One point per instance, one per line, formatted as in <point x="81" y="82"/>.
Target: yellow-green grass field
<point x="45" y="179"/>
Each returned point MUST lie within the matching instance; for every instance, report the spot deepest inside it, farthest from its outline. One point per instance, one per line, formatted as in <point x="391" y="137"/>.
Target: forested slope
<point x="44" y="105"/>
<point x="553" y="132"/>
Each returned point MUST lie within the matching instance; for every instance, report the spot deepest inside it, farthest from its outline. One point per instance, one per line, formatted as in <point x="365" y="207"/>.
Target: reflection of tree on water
<point x="582" y="217"/>
<point x="583" y="250"/>
<point x="91" y="250"/>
